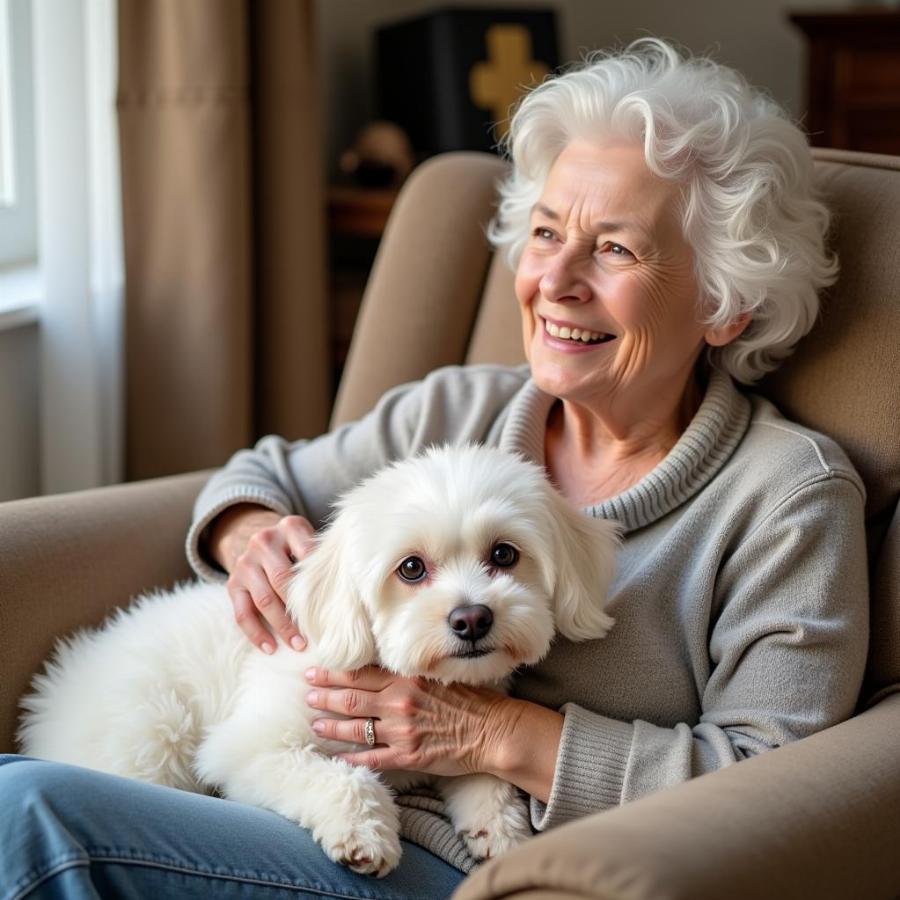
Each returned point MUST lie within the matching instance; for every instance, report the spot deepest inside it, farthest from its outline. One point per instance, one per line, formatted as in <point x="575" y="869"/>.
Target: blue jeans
<point x="72" y="833"/>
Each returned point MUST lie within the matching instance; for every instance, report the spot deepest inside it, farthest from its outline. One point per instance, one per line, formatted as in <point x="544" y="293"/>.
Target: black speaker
<point x="450" y="77"/>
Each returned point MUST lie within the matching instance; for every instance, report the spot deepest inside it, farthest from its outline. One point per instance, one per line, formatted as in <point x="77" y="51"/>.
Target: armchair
<point x="817" y="818"/>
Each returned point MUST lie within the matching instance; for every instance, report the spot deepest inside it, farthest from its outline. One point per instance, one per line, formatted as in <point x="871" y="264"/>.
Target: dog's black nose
<point x="471" y="622"/>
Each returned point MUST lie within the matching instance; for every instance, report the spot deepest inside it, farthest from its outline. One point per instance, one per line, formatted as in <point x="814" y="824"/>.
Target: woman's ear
<point x="719" y="337"/>
<point x="584" y="552"/>
<point x="325" y="602"/>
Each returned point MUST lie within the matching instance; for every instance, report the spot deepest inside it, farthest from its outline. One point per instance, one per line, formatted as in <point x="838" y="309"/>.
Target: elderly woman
<point x="668" y="245"/>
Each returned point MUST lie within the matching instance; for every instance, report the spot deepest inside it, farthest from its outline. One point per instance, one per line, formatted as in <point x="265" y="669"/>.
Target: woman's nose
<point x="563" y="279"/>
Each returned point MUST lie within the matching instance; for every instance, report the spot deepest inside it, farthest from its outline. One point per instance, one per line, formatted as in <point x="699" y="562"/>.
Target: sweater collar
<point x="702" y="450"/>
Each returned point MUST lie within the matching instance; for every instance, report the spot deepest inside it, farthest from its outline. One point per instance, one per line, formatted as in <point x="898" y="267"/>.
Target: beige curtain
<point x="223" y="214"/>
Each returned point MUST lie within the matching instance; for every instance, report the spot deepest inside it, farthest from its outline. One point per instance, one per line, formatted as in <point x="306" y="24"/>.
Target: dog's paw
<point x="486" y="844"/>
<point x="366" y="849"/>
<point x="357" y="824"/>
<point x="490" y="839"/>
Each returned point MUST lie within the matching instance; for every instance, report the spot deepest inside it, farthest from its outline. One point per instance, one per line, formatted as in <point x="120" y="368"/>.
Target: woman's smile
<point x="569" y="338"/>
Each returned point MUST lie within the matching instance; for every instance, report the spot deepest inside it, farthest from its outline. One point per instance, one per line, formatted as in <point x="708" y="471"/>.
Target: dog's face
<point x="458" y="565"/>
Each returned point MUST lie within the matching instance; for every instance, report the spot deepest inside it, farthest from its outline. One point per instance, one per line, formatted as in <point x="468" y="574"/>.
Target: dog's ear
<point x="325" y="602"/>
<point x="584" y="563"/>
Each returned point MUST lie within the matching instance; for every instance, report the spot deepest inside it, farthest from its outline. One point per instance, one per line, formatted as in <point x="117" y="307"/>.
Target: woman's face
<point x="606" y="283"/>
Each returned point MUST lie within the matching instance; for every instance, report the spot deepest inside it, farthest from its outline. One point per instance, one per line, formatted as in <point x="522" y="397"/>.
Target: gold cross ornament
<point x="508" y="73"/>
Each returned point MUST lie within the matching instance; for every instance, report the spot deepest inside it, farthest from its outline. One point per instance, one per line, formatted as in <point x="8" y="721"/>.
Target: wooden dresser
<point x="854" y="78"/>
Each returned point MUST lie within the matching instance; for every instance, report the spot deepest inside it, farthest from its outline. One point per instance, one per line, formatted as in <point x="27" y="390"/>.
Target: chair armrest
<point x="68" y="560"/>
<point x="813" y="819"/>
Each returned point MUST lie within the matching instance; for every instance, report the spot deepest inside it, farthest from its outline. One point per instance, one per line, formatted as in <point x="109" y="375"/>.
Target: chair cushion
<point x="883" y="665"/>
<point x="844" y="377"/>
<point x="497" y="336"/>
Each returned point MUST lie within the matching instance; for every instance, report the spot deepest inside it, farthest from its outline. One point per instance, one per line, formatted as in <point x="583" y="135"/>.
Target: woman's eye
<point x="617" y="249"/>
<point x="544" y="234"/>
<point x="412" y="569"/>
<point x="504" y="555"/>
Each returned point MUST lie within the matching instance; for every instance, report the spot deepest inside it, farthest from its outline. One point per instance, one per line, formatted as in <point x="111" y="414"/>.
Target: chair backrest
<point x="438" y="296"/>
<point x="424" y="295"/>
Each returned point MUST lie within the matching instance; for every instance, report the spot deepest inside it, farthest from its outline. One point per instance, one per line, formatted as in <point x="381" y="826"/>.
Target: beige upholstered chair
<point x="820" y="818"/>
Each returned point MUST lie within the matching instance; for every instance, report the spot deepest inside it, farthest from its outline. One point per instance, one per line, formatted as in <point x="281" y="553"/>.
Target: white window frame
<point x="19" y="276"/>
<point x="7" y="150"/>
<point x="75" y="289"/>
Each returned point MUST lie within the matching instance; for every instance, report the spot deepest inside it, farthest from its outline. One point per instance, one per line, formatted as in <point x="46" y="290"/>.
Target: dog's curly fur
<point x="170" y="691"/>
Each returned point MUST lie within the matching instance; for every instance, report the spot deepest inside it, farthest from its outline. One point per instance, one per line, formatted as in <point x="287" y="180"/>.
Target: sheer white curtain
<point x="79" y="243"/>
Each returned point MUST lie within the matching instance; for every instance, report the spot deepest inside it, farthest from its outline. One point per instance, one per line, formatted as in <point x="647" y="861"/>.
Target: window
<point x="60" y="233"/>
<point x="18" y="204"/>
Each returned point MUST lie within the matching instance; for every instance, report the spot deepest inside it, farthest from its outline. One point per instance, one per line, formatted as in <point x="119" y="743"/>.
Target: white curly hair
<point x="749" y="206"/>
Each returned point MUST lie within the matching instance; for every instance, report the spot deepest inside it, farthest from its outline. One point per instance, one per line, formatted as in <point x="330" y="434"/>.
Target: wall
<point x="756" y="38"/>
<point x="346" y="34"/>
<point x="19" y="425"/>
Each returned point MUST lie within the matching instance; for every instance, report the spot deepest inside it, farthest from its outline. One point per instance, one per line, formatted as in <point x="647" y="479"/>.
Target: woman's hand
<point x="258" y="548"/>
<point x="442" y="729"/>
<point x="420" y="725"/>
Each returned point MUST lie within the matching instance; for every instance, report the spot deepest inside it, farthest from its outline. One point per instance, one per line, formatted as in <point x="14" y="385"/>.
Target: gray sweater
<point x="741" y="599"/>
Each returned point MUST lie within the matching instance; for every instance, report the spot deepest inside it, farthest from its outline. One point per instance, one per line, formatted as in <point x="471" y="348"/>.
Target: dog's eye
<point x="412" y="569"/>
<point x="504" y="555"/>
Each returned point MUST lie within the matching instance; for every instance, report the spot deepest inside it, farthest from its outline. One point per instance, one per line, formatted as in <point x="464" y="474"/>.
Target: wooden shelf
<point x="359" y="212"/>
<point x="853" y="78"/>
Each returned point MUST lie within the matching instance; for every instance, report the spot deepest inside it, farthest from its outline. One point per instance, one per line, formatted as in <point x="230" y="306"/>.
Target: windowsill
<point x="21" y="291"/>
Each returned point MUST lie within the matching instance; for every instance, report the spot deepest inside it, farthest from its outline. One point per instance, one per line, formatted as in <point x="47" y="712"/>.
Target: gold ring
<point x="370" y="732"/>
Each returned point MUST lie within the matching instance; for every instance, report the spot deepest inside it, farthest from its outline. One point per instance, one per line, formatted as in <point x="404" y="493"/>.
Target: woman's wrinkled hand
<point x="420" y="725"/>
<point x="259" y="548"/>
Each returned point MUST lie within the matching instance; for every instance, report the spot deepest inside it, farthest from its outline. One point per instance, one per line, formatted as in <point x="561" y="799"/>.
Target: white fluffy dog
<point x="170" y="690"/>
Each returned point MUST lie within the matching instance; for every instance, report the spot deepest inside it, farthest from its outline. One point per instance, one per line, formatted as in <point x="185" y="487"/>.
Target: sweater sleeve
<point x="454" y="404"/>
<point x="787" y="648"/>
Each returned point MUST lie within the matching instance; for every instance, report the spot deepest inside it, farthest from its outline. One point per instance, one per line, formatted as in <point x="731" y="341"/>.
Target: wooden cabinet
<point x="356" y="220"/>
<point x="854" y="79"/>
